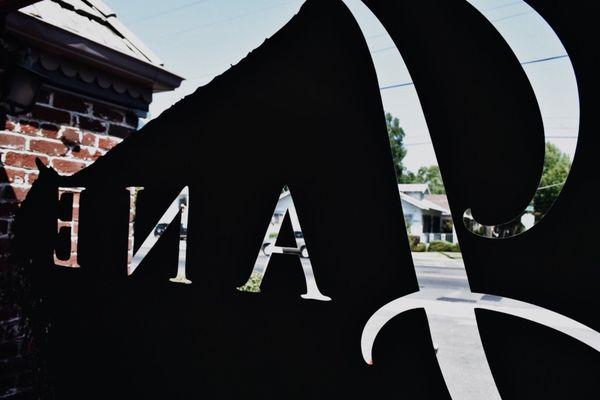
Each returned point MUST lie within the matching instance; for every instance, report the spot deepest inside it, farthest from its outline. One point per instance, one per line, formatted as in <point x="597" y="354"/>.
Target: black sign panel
<point x="272" y="122"/>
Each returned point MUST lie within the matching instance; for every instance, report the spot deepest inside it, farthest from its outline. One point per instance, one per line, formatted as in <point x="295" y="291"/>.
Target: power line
<point x="494" y="20"/>
<point x="481" y="11"/>
<point x="168" y="11"/>
<point x="551" y="186"/>
<point x="228" y="19"/>
<point x="547" y="137"/>
<point x="376" y="35"/>
<point x="396" y="85"/>
<point x="503" y="6"/>
<point x="511" y="16"/>
<point x="384" y="49"/>
<point x="544" y="59"/>
<point x="417" y="144"/>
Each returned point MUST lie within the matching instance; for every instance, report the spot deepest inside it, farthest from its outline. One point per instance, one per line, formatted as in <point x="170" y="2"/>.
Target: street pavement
<point x="446" y="295"/>
<point x="444" y="290"/>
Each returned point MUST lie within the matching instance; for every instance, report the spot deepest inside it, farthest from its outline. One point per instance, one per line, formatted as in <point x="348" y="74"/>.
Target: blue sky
<point x="201" y="39"/>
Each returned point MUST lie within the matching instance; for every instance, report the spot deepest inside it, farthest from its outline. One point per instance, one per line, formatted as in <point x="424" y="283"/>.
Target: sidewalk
<point x="435" y="258"/>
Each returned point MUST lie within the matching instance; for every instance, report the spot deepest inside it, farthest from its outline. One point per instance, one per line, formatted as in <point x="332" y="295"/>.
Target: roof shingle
<point x="93" y="20"/>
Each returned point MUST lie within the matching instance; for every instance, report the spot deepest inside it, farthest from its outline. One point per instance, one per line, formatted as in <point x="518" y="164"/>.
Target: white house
<point x="426" y="215"/>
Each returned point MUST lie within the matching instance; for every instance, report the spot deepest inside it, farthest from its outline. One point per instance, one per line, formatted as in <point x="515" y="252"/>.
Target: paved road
<point x="445" y="289"/>
<point x="432" y="272"/>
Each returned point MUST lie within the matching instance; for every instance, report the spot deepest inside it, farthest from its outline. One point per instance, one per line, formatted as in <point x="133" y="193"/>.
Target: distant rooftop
<point x="413" y="187"/>
<point x="439" y="199"/>
<point x="431" y="202"/>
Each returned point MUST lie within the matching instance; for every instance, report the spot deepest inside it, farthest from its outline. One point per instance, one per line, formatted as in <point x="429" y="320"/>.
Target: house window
<point x="426" y="223"/>
<point x="436" y="224"/>
<point x="432" y="224"/>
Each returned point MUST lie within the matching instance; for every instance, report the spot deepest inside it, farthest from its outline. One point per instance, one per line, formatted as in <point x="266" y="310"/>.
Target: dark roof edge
<point x="90" y="52"/>
<point x="12" y="5"/>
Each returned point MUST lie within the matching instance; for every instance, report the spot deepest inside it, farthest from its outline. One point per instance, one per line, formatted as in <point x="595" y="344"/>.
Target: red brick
<point x="87" y="154"/>
<point x="9" y="141"/>
<point x="50" y="131"/>
<point x="108" y="143"/>
<point x="91" y="124"/>
<point x="13" y="193"/>
<point x="23" y="160"/>
<point x="9" y="125"/>
<point x="32" y="177"/>
<point x="9" y="175"/>
<point x="29" y="127"/>
<point x="67" y="166"/>
<point x="47" y="147"/>
<point x="71" y="262"/>
<point x="106" y="113"/>
<point x="71" y="136"/>
<point x="70" y="102"/>
<point x="89" y="139"/>
<point x="50" y="114"/>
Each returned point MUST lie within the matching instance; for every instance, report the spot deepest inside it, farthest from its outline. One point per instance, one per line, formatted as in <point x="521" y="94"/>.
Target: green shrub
<point x="440" y="245"/>
<point x="414" y="240"/>
<point x="455" y="247"/>
<point x="253" y="284"/>
<point x="418" y="248"/>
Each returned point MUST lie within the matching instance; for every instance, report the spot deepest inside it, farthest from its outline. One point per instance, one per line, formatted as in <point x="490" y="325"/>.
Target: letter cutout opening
<point x="72" y="225"/>
<point x="284" y="207"/>
<point x="180" y="204"/>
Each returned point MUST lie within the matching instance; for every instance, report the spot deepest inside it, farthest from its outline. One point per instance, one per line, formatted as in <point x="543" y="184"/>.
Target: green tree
<point x="431" y="176"/>
<point x="396" y="136"/>
<point x="556" y="169"/>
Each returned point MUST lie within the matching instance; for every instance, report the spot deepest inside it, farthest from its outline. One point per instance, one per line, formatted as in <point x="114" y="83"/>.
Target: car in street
<point x="300" y="248"/>
<point x="161" y="228"/>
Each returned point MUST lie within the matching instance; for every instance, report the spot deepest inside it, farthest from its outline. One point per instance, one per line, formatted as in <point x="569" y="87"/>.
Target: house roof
<point x="413" y="187"/>
<point x="424" y="204"/>
<point x="93" y="20"/>
<point x="11" y="5"/>
<point x="78" y="43"/>
<point x="439" y="199"/>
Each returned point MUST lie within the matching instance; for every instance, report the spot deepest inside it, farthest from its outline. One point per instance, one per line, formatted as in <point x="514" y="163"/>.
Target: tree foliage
<point x="556" y="169"/>
<point x="396" y="136"/>
<point x="430" y="175"/>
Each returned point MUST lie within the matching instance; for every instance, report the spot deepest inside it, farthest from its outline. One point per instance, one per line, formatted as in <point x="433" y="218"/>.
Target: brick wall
<point x="68" y="133"/>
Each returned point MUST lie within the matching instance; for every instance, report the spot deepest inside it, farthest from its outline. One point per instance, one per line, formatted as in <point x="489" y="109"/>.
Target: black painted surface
<point x="143" y="336"/>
